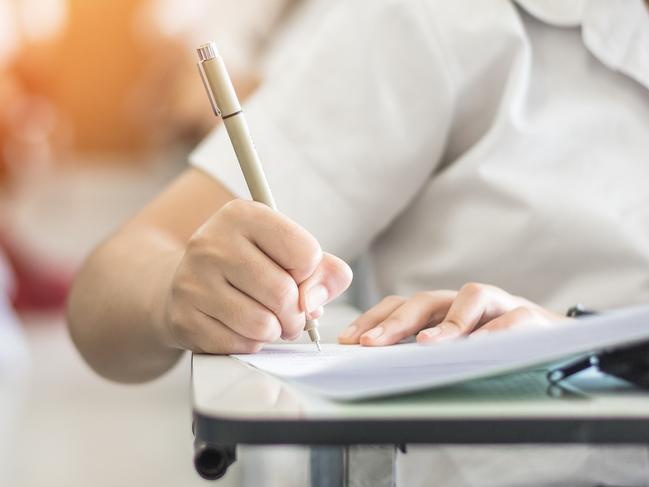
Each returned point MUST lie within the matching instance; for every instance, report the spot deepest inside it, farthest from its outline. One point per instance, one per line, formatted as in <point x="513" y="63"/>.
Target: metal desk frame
<point x="339" y="443"/>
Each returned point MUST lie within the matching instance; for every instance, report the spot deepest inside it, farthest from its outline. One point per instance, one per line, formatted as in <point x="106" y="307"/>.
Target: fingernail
<point x="316" y="297"/>
<point x="348" y="332"/>
<point x="374" y="332"/>
<point x="431" y="332"/>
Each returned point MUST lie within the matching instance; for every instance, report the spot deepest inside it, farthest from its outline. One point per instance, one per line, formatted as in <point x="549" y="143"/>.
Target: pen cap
<point x="218" y="79"/>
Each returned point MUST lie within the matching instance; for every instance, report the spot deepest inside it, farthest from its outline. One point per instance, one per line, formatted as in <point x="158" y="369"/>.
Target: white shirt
<point x="453" y="147"/>
<point x="467" y="141"/>
<point x="240" y="28"/>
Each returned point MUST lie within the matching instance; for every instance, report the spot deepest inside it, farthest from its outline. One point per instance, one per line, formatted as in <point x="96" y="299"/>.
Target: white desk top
<point x="225" y="388"/>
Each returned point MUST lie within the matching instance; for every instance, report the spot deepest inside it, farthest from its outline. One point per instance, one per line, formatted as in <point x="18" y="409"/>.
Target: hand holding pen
<point x="249" y="275"/>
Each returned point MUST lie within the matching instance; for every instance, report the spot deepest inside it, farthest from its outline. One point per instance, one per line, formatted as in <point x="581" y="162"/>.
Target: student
<point x="452" y="142"/>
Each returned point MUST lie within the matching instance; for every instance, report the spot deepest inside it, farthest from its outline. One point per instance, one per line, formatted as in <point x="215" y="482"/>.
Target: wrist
<point x="168" y="264"/>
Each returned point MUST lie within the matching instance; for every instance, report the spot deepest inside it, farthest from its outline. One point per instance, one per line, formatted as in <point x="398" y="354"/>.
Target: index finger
<point x="418" y="312"/>
<point x="280" y="238"/>
<point x="474" y="305"/>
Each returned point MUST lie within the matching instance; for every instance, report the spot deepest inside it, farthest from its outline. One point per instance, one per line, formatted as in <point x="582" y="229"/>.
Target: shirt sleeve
<point x="351" y="126"/>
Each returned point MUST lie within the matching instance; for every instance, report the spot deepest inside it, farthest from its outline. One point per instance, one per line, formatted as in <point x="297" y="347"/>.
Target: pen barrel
<point x="311" y="327"/>
<point x="225" y="102"/>
<point x="221" y="86"/>
<point x="249" y="160"/>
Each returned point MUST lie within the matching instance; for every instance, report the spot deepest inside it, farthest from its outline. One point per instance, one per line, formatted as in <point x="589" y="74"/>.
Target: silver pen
<point x="225" y="104"/>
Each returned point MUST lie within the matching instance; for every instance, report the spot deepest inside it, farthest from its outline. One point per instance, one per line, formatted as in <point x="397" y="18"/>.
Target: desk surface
<point x="235" y="403"/>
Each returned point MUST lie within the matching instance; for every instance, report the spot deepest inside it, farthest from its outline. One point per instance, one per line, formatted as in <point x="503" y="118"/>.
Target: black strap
<point x="579" y="310"/>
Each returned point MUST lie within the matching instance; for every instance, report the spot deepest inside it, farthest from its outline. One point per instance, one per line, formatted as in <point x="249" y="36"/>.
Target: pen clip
<point x="210" y="95"/>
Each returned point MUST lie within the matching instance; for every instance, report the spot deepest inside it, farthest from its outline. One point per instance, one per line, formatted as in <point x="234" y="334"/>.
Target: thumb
<point x="330" y="279"/>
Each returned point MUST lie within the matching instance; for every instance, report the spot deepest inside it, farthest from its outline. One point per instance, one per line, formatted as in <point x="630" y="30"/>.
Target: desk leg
<point x="327" y="466"/>
<point x="354" y="466"/>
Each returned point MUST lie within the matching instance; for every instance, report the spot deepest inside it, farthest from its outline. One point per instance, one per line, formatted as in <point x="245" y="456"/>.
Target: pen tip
<point x="317" y="344"/>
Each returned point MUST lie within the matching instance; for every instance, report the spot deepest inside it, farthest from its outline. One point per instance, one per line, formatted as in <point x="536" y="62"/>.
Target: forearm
<point x="116" y="307"/>
<point x="197" y="271"/>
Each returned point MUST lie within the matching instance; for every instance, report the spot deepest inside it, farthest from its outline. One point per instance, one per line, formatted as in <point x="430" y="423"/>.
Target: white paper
<point x="351" y="372"/>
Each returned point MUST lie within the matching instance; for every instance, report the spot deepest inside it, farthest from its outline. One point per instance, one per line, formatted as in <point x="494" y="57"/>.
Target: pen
<point x="225" y="104"/>
<point x="558" y="374"/>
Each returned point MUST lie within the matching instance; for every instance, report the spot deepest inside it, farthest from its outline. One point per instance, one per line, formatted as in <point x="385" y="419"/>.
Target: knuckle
<point x="310" y="255"/>
<point x="285" y="295"/>
<point x="307" y="249"/>
<point x="235" y="208"/>
<point x="266" y="326"/>
<point x="313" y="250"/>
<point x="473" y="289"/>
<point x="421" y="296"/>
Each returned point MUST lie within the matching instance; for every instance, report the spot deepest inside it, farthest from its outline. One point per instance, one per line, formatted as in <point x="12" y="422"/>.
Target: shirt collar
<point x="562" y="13"/>
<point x="614" y="31"/>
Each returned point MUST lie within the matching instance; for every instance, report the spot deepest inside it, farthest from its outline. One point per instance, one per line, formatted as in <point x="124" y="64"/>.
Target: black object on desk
<point x="629" y="363"/>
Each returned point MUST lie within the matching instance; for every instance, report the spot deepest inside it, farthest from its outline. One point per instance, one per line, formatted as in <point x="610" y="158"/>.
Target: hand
<point x="440" y="315"/>
<point x="249" y="275"/>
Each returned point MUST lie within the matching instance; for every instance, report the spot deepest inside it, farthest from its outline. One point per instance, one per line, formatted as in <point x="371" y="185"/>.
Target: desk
<point x="234" y="404"/>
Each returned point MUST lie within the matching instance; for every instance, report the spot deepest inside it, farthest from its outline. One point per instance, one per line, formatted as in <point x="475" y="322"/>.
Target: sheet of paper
<point x="351" y="372"/>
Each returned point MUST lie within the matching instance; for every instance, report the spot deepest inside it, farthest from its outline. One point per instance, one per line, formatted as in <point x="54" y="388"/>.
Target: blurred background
<point x="100" y="104"/>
